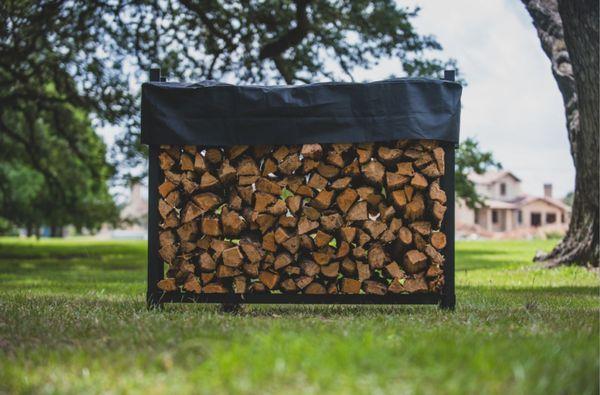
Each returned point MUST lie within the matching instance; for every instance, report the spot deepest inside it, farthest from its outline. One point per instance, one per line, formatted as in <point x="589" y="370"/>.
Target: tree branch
<point x="292" y="37"/>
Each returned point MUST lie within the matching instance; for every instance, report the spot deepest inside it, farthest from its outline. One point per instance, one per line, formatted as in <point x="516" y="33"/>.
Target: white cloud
<point x="511" y="104"/>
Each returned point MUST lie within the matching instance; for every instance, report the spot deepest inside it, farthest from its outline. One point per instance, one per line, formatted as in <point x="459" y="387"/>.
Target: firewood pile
<point x="312" y="219"/>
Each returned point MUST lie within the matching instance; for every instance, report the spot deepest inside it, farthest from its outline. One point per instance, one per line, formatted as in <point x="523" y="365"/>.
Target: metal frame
<point x="156" y="298"/>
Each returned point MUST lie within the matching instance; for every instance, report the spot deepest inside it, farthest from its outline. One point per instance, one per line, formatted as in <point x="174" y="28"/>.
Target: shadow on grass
<point x="479" y="259"/>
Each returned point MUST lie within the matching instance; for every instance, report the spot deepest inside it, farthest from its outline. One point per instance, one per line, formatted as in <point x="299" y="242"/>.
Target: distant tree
<point x="58" y="56"/>
<point x="471" y="159"/>
<point x="568" y="32"/>
<point x="48" y="181"/>
<point x="87" y="51"/>
<point x="568" y="199"/>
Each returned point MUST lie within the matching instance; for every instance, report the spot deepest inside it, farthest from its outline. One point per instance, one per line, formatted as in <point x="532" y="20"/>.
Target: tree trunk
<point x="568" y="31"/>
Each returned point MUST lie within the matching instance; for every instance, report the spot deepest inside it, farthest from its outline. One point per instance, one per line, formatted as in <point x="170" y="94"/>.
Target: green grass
<point x="73" y="321"/>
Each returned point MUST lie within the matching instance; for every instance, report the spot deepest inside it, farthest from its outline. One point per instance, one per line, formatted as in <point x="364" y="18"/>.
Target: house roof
<point x="499" y="204"/>
<point x="489" y="177"/>
<point x="522" y="201"/>
<point x="527" y="199"/>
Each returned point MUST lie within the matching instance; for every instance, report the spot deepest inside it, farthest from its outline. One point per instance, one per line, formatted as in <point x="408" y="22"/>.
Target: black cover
<point x="210" y="113"/>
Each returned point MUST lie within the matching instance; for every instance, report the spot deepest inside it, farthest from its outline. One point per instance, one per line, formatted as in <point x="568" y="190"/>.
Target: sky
<point x="511" y="103"/>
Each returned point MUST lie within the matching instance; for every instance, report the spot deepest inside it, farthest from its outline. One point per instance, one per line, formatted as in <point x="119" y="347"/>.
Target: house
<point x="507" y="209"/>
<point x="134" y="217"/>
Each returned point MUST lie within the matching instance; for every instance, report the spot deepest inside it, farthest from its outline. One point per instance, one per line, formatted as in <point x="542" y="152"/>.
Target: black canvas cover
<point x="210" y="113"/>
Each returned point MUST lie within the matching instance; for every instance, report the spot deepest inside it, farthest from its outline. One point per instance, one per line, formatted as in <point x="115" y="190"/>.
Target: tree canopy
<point x="67" y="67"/>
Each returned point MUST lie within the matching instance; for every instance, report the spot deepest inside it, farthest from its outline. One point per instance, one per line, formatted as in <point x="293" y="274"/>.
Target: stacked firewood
<point x="313" y="219"/>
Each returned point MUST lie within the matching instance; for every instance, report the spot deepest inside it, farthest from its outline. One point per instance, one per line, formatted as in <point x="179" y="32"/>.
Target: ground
<point x="73" y="321"/>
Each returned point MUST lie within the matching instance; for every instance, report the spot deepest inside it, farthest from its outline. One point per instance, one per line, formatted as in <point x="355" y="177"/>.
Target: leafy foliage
<point x="471" y="159"/>
<point x="60" y="58"/>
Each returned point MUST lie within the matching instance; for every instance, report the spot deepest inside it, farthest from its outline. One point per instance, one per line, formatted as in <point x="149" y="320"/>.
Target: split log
<point x="214" y="155"/>
<point x="374" y="287"/>
<point x="267" y="186"/>
<point x="269" y="279"/>
<point x="328" y="171"/>
<point x="305" y="225"/>
<point x="405" y="169"/>
<point x="393" y="269"/>
<point x="438" y="240"/>
<point x="335" y="159"/>
<point x="165" y="162"/>
<point x="233" y="223"/>
<point x="240" y="284"/>
<point x="332" y="270"/>
<point x="348" y="233"/>
<point x="331" y="222"/>
<point x="191" y="212"/>
<point x="415" y="261"/>
<point x="290" y="164"/>
<point x="233" y="257"/>
<point x="206" y="278"/>
<point x="358" y="212"/>
<point x="421" y="227"/>
<point x="293" y="203"/>
<point x="165" y="188"/>
<point x="389" y="155"/>
<point x="415" y="209"/>
<point x="310" y="268"/>
<point x="350" y="286"/>
<point x="251" y="269"/>
<point x="168" y="253"/>
<point x="322" y="239"/>
<point x="346" y="199"/>
<point x="364" y="272"/>
<point x="236" y="151"/>
<point x="303" y="281"/>
<point x="207" y="263"/>
<point x="199" y="163"/>
<point x="323" y="200"/>
<point x="215" y="288"/>
<point x="192" y="285"/>
<point x="373" y="172"/>
<point x="436" y="193"/>
<point x="167" y="285"/>
<point x="377" y="257"/>
<point x="343" y="250"/>
<point x="348" y="267"/>
<point x="282" y="260"/>
<point x="315" y="288"/>
<point x="375" y="228"/>
<point x="206" y="201"/>
<point x="289" y="285"/>
<point x="312" y="151"/>
<point x="418" y="181"/>
<point x="211" y="226"/>
<point x="227" y="271"/>
<point x="227" y="173"/>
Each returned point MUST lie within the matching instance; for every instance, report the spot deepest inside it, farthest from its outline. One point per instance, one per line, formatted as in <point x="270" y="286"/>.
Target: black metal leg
<point x="448" y="302"/>
<point x="153" y="302"/>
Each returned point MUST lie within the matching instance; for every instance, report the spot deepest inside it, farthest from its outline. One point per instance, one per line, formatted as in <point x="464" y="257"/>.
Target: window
<point x="536" y="219"/>
<point x="503" y="189"/>
<point x="562" y="218"/>
<point x="520" y="216"/>
<point x="494" y="216"/>
<point x="550" y="218"/>
<point x="476" y="215"/>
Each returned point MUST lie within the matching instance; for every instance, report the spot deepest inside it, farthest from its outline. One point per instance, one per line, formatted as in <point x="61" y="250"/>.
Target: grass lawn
<point x="73" y="320"/>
